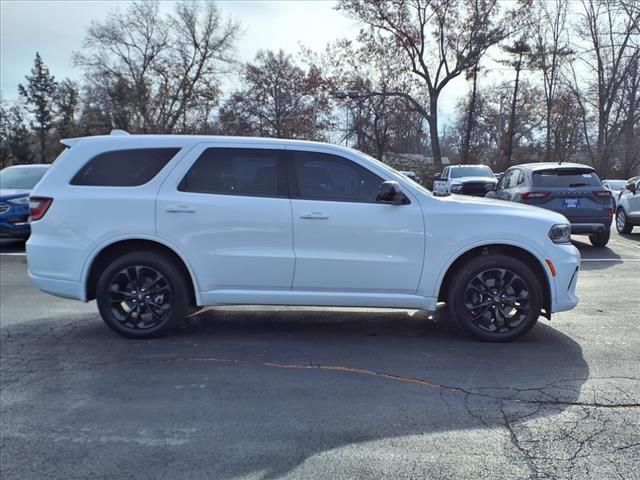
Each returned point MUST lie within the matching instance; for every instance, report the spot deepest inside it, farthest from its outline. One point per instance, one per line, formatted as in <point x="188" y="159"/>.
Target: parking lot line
<point x="610" y="260"/>
<point x="13" y="254"/>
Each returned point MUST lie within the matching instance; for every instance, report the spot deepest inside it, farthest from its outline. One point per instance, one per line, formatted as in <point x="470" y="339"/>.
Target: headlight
<point x="456" y="188"/>
<point x="19" y="201"/>
<point x="560" y="233"/>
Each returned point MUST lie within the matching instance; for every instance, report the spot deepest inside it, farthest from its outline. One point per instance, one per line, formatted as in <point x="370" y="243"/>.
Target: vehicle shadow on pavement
<point x="594" y="258"/>
<point x="264" y="391"/>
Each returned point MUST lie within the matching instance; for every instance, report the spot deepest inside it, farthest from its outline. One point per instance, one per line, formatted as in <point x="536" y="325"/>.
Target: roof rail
<point x="119" y="132"/>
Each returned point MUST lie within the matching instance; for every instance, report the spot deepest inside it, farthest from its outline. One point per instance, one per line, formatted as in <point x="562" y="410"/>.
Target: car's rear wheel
<point x="600" y="239"/>
<point x="495" y="298"/>
<point x="622" y="224"/>
<point x="142" y="295"/>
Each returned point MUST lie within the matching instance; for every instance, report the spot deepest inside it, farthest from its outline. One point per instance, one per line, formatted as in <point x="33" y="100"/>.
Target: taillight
<point x="532" y="195"/>
<point x="603" y="194"/>
<point x="39" y="206"/>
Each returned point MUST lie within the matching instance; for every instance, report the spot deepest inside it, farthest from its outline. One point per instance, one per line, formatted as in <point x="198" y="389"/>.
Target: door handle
<point x="180" y="209"/>
<point x="314" y="216"/>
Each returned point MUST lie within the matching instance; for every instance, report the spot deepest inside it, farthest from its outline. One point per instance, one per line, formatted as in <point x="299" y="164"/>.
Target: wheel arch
<point x="525" y="256"/>
<point x="104" y="254"/>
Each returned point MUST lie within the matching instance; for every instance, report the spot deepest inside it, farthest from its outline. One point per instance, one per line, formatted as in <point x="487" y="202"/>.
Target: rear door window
<point x="237" y="171"/>
<point x="124" y="168"/>
<point x="566" y="177"/>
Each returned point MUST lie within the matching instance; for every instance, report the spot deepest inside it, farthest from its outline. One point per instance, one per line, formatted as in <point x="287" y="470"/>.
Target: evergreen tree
<point x="39" y="94"/>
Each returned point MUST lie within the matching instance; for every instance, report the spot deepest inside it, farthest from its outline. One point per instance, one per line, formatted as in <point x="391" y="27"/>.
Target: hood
<point x="501" y="207"/>
<point x="9" y="193"/>
<point x="474" y="179"/>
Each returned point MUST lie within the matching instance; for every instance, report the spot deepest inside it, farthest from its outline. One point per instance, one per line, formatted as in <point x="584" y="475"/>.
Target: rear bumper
<point x="581" y="228"/>
<point x="59" y="288"/>
<point x="14" y="231"/>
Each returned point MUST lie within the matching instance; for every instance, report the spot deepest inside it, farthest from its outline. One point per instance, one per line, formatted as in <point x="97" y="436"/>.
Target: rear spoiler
<point x="69" y="142"/>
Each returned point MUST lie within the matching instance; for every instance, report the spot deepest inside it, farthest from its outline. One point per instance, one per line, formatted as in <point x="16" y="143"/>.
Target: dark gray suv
<point x="574" y="190"/>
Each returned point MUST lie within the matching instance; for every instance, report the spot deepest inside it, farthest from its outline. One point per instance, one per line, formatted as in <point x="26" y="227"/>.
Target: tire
<point x="600" y="239"/>
<point x="622" y="222"/>
<point x="476" y="289"/>
<point x="128" y="309"/>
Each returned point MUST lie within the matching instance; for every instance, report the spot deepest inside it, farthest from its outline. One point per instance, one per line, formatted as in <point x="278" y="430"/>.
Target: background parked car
<point x="616" y="187"/>
<point x="16" y="182"/>
<point x="411" y="175"/>
<point x="628" y="211"/>
<point x="464" y="179"/>
<point x="571" y="189"/>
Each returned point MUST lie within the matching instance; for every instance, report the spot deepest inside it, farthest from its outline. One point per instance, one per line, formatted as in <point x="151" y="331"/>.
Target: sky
<point x="56" y="28"/>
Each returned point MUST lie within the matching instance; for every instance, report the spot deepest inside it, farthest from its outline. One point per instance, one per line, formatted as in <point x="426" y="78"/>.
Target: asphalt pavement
<point x="306" y="393"/>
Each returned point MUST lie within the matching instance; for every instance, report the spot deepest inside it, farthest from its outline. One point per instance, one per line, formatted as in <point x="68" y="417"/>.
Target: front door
<point x="227" y="210"/>
<point x="343" y="239"/>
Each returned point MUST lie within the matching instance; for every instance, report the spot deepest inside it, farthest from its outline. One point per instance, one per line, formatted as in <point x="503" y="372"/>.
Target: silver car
<point x="628" y="210"/>
<point x="572" y="189"/>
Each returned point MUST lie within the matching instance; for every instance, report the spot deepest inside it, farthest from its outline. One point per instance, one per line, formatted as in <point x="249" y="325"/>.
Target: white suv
<point x="154" y="227"/>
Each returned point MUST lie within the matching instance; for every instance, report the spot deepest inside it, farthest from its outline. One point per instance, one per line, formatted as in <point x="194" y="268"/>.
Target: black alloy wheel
<point x="495" y="298"/>
<point x="142" y="295"/>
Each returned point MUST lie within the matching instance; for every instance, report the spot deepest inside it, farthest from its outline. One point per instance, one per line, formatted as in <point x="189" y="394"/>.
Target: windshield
<point x="476" y="171"/>
<point x="21" y="178"/>
<point x="566" y="177"/>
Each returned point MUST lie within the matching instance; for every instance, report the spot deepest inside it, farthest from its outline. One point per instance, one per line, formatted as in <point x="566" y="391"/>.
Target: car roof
<point x="551" y="165"/>
<point x="30" y="165"/>
<point x="470" y="165"/>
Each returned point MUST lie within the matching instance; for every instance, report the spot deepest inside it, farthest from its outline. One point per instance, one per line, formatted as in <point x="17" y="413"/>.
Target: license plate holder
<point x="570" y="203"/>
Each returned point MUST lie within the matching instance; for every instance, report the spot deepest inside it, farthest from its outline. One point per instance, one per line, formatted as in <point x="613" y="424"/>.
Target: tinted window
<point x="566" y="177"/>
<point x="321" y="176"/>
<point x="236" y="171"/>
<point x="124" y="168"/>
<point x="515" y="179"/>
<point x="21" y="178"/>
<point x="473" y="171"/>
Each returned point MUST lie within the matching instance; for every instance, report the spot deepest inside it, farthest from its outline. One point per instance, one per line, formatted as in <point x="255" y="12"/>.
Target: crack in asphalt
<point x="406" y="379"/>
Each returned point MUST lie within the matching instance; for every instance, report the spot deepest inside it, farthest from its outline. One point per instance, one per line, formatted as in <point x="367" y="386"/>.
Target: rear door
<point x="228" y="211"/>
<point x="575" y="192"/>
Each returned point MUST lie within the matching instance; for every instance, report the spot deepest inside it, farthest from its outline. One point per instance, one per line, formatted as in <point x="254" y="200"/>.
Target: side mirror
<point x="437" y="176"/>
<point x="491" y="187"/>
<point x="391" y="193"/>
<point x="632" y="188"/>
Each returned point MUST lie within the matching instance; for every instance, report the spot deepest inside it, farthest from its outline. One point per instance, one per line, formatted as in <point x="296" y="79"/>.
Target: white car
<point x="475" y="180"/>
<point x="154" y="227"/>
<point x="628" y="210"/>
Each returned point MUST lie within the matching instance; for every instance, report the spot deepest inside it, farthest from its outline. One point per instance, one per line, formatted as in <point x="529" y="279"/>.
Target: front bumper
<point x="14" y="221"/>
<point x="566" y="260"/>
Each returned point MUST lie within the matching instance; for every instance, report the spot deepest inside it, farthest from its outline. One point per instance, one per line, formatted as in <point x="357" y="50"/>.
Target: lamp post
<point x="344" y="95"/>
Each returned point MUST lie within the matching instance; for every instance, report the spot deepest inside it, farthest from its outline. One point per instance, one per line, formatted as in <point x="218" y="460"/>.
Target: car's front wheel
<point x="600" y="239"/>
<point x="495" y="298"/>
<point x="622" y="224"/>
<point x="142" y="295"/>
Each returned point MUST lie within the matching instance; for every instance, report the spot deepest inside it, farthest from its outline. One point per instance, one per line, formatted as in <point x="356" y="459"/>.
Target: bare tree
<point x="550" y="50"/>
<point x="439" y="40"/>
<point x="520" y="49"/>
<point x="157" y="68"/>
<point x="610" y="27"/>
<point x="278" y="99"/>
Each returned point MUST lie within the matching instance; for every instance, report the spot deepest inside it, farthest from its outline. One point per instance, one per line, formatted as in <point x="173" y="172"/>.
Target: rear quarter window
<point x="566" y="177"/>
<point x="124" y="168"/>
